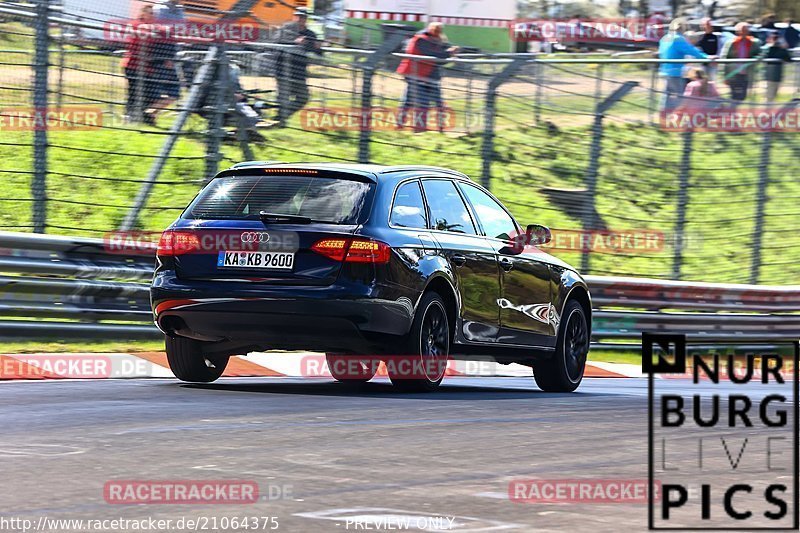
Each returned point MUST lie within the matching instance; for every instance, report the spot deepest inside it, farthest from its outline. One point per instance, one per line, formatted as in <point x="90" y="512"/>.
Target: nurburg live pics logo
<point x="723" y="442"/>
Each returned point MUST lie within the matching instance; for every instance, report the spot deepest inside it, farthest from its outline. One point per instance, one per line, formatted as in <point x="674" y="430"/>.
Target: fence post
<point x="61" y="66"/>
<point x="199" y="84"/>
<point x="598" y="82"/>
<point x="679" y="240"/>
<point x="216" y="120"/>
<point x="487" y="150"/>
<point x="284" y="81"/>
<point x="39" y="182"/>
<point x="367" y="72"/>
<point x="590" y="221"/>
<point x="761" y="195"/>
<point x="761" y="200"/>
<point x="651" y="100"/>
<point x="537" y="105"/>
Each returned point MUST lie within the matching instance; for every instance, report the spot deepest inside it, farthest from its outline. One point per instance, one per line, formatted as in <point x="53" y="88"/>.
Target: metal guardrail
<point x="78" y="287"/>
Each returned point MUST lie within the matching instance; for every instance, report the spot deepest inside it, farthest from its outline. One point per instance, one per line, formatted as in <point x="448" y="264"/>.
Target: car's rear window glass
<point x="336" y="201"/>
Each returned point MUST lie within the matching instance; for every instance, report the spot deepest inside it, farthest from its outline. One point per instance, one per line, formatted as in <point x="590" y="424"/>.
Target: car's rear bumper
<point x="332" y="318"/>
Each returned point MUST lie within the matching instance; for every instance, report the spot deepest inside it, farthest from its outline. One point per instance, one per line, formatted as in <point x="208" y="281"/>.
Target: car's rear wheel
<point x="351" y="369"/>
<point x="422" y="366"/>
<point x="564" y="371"/>
<point x="187" y="362"/>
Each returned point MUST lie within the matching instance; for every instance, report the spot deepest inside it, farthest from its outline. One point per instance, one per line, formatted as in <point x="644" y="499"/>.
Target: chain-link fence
<point x="576" y="142"/>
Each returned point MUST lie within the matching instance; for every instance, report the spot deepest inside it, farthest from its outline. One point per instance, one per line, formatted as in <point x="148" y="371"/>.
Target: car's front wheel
<point x="422" y="366"/>
<point x="564" y="371"/>
<point x="187" y="362"/>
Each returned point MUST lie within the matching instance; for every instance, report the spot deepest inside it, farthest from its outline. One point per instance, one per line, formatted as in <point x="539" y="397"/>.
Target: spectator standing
<point x="137" y="68"/>
<point x="675" y="46"/>
<point x="423" y="77"/>
<point x="165" y="85"/>
<point x="743" y="46"/>
<point x="768" y="21"/>
<point x="791" y="34"/>
<point x="291" y="66"/>
<point x="710" y="43"/>
<point x="775" y="49"/>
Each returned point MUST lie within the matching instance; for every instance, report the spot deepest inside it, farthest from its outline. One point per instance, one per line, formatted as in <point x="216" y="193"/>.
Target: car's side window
<point x="447" y="209"/>
<point x="496" y="222"/>
<point x="408" y="210"/>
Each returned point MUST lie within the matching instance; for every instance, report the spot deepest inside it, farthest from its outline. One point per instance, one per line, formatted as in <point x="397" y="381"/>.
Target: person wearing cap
<point x="675" y="46"/>
<point x="744" y="46"/>
<point x="423" y="77"/>
<point x="291" y="66"/>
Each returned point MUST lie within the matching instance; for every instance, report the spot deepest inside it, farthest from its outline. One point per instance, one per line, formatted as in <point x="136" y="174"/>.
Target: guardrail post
<point x="590" y="211"/>
<point x="216" y="120"/>
<point x="367" y="72"/>
<point x="487" y="151"/>
<point x="39" y="182"/>
<point x="679" y="240"/>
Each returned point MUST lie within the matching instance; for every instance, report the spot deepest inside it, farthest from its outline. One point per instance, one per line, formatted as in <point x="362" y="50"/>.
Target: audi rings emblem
<point x="255" y="236"/>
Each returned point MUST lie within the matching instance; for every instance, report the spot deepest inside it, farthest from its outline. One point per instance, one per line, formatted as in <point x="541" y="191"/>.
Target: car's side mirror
<point x="537" y="234"/>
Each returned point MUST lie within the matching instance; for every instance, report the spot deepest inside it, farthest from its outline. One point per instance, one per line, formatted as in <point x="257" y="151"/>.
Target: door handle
<point x="506" y="263"/>
<point x="458" y="260"/>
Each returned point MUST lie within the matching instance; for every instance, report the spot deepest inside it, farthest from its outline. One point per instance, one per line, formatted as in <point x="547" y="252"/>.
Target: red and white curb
<point x="261" y="364"/>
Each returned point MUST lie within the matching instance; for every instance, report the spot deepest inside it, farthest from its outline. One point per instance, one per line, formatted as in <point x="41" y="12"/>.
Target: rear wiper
<point x="277" y="218"/>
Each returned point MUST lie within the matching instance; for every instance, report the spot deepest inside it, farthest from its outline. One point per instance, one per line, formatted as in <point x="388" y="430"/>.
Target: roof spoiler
<point x="245" y="164"/>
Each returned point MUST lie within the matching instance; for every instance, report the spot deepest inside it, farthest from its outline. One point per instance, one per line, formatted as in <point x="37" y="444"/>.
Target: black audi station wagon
<point x="365" y="262"/>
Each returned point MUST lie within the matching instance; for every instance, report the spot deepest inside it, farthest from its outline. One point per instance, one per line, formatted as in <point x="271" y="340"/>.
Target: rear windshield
<point x="331" y="200"/>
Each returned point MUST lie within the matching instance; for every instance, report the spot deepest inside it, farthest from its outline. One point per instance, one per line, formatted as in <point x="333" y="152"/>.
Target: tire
<point x="564" y="371"/>
<point x="351" y="369"/>
<point x="185" y="357"/>
<point x="427" y="348"/>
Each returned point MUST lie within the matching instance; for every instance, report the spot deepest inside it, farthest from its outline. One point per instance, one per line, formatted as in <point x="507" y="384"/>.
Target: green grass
<point x="95" y="174"/>
<point x="52" y="345"/>
<point x="637" y="185"/>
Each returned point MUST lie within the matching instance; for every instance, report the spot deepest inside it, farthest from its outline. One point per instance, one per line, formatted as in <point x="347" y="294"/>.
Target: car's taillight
<point x="364" y="251"/>
<point x="332" y="248"/>
<point x="353" y="250"/>
<point x="174" y="243"/>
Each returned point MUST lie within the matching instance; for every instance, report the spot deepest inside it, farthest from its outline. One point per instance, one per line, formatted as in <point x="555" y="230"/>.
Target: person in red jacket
<point x="137" y="67"/>
<point x="423" y="77"/>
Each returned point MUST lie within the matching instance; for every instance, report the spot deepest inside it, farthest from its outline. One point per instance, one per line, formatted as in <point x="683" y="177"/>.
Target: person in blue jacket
<point x="675" y="46"/>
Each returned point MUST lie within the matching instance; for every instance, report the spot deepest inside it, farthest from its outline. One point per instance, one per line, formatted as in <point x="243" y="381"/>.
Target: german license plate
<point x="263" y="260"/>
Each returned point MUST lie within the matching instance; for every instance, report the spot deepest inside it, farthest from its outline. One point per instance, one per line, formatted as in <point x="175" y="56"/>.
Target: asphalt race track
<point x="322" y="452"/>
